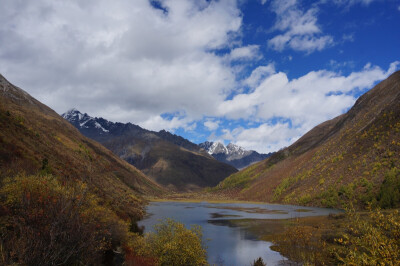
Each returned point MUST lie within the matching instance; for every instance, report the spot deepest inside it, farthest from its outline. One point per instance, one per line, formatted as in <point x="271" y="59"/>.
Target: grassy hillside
<point x="354" y="157"/>
<point x="34" y="139"/>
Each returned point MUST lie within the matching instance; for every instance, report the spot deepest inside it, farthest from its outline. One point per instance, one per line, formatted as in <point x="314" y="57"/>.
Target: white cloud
<point x="157" y="123"/>
<point x="264" y="138"/>
<point x="121" y="55"/>
<point x="305" y="101"/>
<point x="211" y="125"/>
<point x="258" y="74"/>
<point x="300" y="29"/>
<point x="250" y="52"/>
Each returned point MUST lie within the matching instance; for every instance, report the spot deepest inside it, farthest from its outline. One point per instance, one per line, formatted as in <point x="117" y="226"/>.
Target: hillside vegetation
<point x="352" y="158"/>
<point x="33" y="138"/>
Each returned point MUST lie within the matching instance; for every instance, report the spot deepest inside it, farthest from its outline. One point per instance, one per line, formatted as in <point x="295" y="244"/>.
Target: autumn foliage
<point x="355" y="238"/>
<point x="45" y="222"/>
<point x="173" y="244"/>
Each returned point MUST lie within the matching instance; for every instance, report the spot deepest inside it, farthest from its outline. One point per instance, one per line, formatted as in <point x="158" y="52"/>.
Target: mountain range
<point x="170" y="160"/>
<point x="354" y="157"/>
<point x="233" y="154"/>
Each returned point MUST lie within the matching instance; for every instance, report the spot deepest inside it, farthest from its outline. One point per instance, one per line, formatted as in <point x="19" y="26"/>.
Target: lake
<point x="227" y="244"/>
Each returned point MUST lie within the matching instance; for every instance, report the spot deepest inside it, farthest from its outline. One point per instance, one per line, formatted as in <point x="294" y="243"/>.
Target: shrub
<point x="45" y="222"/>
<point x="389" y="194"/>
<point x="372" y="240"/>
<point x="173" y="244"/>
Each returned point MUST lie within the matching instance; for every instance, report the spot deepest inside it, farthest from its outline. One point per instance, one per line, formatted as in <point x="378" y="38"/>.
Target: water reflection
<point x="227" y="243"/>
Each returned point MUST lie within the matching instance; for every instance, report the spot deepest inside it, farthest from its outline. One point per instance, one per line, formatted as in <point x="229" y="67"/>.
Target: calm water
<point x="228" y="245"/>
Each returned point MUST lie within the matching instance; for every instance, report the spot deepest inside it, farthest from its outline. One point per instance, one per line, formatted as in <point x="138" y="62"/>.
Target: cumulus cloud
<point x="266" y="137"/>
<point x="157" y="123"/>
<point x="123" y="56"/>
<point x="305" y="102"/>
<point x="300" y="30"/>
<point x="258" y="74"/>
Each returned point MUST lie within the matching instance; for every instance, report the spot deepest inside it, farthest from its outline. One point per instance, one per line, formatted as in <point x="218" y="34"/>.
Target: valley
<point x="348" y="163"/>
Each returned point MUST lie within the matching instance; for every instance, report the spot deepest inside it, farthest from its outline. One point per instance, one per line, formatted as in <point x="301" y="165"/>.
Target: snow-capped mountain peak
<point x="218" y="147"/>
<point x="72" y="114"/>
<point x="232" y="154"/>
<point x="235" y="149"/>
<point x="75" y="117"/>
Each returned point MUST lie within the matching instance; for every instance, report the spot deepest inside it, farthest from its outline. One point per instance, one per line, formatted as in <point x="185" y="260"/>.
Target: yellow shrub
<point x="173" y="244"/>
<point x="371" y="241"/>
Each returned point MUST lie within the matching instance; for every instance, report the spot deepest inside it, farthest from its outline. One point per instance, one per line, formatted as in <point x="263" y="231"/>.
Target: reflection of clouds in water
<point x="255" y="249"/>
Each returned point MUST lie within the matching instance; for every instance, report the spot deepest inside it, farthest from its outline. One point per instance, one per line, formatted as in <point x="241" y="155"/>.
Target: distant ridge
<point x="233" y="154"/>
<point x="354" y="157"/>
<point x="170" y="160"/>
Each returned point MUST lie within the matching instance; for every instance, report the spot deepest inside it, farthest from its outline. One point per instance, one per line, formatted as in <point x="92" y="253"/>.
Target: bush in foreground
<point x="46" y="222"/>
<point x="173" y="244"/>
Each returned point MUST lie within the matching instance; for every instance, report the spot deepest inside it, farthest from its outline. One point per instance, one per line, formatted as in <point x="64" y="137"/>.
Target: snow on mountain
<point x="232" y="154"/>
<point x="218" y="147"/>
<point x="237" y="150"/>
<point x="184" y="165"/>
<point x="101" y="130"/>
<point x="85" y="121"/>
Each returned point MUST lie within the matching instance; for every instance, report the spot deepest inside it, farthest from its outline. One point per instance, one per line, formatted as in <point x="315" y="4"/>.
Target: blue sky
<point x="258" y="73"/>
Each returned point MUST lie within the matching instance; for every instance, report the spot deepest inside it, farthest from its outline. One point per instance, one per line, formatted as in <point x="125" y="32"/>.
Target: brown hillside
<point x="169" y="165"/>
<point x="352" y="157"/>
<point x="34" y="138"/>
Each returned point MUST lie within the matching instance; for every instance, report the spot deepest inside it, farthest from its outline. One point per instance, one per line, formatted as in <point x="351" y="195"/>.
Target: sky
<point x="257" y="73"/>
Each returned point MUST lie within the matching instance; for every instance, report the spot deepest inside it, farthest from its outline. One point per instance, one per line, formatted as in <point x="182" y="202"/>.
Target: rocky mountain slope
<point x="170" y="160"/>
<point x="33" y="138"/>
<point x="354" y="157"/>
<point x="233" y="154"/>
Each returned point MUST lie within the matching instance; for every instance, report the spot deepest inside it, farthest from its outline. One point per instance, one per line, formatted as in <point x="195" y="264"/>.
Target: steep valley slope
<point x="354" y="157"/>
<point x="34" y="138"/>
